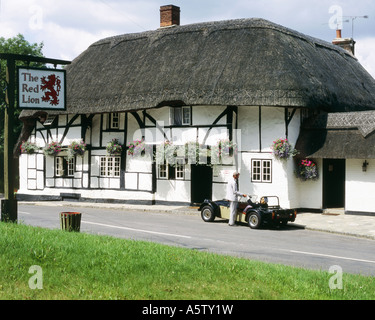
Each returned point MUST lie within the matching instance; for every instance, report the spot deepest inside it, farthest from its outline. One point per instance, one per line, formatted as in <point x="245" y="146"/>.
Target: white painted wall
<point x="284" y="184"/>
<point x="310" y="193"/>
<point x="23" y="173"/>
<point x="360" y="186"/>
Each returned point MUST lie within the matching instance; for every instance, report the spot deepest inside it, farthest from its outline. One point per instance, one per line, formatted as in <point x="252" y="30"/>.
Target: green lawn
<point x="84" y="266"/>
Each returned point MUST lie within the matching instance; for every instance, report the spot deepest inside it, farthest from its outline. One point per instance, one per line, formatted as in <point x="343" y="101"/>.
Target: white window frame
<point x="186" y="121"/>
<point x="261" y="170"/>
<point x="180" y="169"/>
<point x="63" y="164"/>
<point x="70" y="165"/>
<point x="110" y="166"/>
<point x="185" y="116"/>
<point x="59" y="166"/>
<point x="163" y="171"/>
<point x="114" y="120"/>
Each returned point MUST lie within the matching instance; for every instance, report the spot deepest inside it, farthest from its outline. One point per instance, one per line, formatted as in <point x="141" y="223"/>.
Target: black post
<point x="9" y="204"/>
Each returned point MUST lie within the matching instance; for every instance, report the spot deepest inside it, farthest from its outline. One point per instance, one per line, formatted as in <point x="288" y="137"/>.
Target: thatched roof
<point x="236" y="62"/>
<point x="349" y="135"/>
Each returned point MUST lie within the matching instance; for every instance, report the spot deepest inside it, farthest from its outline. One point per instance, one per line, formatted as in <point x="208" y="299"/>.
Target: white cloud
<point x="68" y="42"/>
<point x="365" y="52"/>
<point x="67" y="27"/>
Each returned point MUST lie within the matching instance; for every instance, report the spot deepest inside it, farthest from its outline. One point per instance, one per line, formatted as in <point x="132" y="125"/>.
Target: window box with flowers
<point x="137" y="148"/>
<point x="307" y="170"/>
<point x="76" y="148"/>
<point x="28" y="147"/>
<point x="52" y="149"/>
<point x="282" y="149"/>
<point x="114" y="147"/>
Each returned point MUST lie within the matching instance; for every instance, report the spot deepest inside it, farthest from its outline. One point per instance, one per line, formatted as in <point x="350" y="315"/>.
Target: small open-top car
<point x="266" y="212"/>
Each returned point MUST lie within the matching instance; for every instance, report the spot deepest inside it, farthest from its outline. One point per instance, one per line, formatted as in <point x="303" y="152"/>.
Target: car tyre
<point x="207" y="214"/>
<point x="254" y="221"/>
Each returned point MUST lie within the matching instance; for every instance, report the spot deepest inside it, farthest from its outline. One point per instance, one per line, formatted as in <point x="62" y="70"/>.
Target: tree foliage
<point x="15" y="45"/>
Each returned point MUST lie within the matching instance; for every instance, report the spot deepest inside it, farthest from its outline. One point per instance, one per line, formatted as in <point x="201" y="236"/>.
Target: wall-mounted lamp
<point x="364" y="166"/>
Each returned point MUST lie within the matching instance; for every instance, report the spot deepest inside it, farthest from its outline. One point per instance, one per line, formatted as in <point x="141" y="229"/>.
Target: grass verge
<point x="84" y="266"/>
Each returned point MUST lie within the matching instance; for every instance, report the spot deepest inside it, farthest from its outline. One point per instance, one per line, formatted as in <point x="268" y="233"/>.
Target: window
<point x="180" y="116"/>
<point x="261" y="170"/>
<point x="179" y="169"/>
<point x="163" y="171"/>
<point x="186" y="115"/>
<point x="110" y="166"/>
<point x="114" y="120"/>
<point x="59" y="166"/>
<point x="167" y="171"/>
<point x="49" y="120"/>
<point x="64" y="166"/>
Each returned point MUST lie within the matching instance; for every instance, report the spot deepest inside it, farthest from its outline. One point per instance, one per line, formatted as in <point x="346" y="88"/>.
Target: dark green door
<point x="333" y="183"/>
<point x="201" y="183"/>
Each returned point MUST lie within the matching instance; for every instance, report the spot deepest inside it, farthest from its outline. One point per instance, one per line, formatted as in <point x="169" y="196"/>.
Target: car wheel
<point x="254" y="220"/>
<point x="207" y="214"/>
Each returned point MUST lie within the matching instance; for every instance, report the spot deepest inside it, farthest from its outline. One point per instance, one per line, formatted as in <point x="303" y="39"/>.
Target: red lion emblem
<point x="51" y="88"/>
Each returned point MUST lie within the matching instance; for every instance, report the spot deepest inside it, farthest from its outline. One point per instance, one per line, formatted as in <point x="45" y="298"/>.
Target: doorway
<point x="333" y="183"/>
<point x="201" y="183"/>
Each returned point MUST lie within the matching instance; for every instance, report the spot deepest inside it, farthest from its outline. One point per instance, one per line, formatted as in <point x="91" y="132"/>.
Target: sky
<point x="68" y="27"/>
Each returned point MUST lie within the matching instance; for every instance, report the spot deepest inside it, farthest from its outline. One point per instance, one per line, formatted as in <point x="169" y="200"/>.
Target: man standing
<point x="232" y="194"/>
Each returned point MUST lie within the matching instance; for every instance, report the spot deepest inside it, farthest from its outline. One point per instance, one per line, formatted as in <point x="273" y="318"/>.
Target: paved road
<point x="291" y="246"/>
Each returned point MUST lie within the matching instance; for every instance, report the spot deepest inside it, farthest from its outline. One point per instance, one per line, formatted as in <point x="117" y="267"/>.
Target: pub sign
<point x="41" y="88"/>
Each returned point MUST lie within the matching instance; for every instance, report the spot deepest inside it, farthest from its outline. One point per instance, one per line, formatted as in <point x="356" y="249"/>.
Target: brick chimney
<point x="345" y="43"/>
<point x="169" y="16"/>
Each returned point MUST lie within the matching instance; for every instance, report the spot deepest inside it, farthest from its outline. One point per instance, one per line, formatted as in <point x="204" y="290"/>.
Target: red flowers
<point x="307" y="170"/>
<point x="307" y="163"/>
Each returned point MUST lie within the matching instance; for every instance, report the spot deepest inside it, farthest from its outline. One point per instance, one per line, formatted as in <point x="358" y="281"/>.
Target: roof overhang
<point x="348" y="135"/>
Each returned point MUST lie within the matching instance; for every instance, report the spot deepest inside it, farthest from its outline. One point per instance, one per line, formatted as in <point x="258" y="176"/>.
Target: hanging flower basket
<point x="114" y="147"/>
<point x="137" y="148"/>
<point x="76" y="148"/>
<point x="52" y="149"/>
<point x="28" y="147"/>
<point x="282" y="149"/>
<point x="307" y="170"/>
<point x="223" y="151"/>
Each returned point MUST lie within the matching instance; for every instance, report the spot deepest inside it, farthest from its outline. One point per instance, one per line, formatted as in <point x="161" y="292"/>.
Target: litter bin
<point x="70" y="221"/>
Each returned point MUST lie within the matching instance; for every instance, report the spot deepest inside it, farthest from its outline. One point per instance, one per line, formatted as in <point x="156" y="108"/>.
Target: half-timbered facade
<point x="99" y="176"/>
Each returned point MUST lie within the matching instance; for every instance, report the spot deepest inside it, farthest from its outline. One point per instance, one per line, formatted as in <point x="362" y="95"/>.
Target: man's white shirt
<point x="232" y="191"/>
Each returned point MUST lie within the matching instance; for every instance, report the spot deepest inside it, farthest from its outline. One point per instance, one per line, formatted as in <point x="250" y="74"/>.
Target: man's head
<point x="236" y="175"/>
